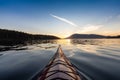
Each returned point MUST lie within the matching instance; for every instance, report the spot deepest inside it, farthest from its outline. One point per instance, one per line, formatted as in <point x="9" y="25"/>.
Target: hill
<point x="90" y="36"/>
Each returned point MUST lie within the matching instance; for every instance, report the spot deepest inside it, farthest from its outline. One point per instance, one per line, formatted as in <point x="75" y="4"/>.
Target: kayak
<point x="59" y="68"/>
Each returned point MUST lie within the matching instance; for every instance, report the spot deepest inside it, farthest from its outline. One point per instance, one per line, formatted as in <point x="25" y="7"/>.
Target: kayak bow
<point x="59" y="68"/>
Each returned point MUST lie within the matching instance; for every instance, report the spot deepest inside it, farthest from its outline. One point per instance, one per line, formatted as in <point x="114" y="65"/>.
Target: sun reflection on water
<point x="92" y="46"/>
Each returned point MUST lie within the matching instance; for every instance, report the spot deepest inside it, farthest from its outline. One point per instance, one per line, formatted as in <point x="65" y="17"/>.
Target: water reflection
<point x="85" y="41"/>
<point x="41" y="42"/>
<point x="1" y="54"/>
<point x="98" y="58"/>
<point x="64" y="42"/>
<point x="95" y="41"/>
<point x="46" y="47"/>
<point x="84" y="44"/>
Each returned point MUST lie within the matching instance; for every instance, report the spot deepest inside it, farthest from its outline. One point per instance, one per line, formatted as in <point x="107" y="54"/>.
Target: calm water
<point x="97" y="58"/>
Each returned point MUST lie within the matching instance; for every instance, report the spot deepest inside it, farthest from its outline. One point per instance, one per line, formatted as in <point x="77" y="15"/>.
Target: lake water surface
<point x="97" y="58"/>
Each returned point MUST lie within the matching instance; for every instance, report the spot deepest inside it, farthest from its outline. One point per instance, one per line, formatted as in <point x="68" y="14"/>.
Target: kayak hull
<point x="59" y="68"/>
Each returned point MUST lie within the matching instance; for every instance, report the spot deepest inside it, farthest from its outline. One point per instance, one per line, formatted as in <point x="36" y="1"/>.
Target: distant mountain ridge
<point x="91" y="36"/>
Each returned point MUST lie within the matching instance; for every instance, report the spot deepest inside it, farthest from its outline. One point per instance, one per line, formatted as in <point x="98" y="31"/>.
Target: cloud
<point x="64" y="20"/>
<point x="90" y="28"/>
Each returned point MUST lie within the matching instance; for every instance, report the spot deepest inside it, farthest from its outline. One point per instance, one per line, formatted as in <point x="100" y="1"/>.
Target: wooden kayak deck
<point x="59" y="68"/>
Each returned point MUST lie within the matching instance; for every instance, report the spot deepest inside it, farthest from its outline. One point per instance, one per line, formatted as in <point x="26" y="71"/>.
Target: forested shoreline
<point x="12" y="37"/>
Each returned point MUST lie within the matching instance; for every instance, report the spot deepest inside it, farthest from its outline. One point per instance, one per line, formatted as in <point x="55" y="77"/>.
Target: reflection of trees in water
<point x="24" y="44"/>
<point x="41" y="41"/>
<point x="47" y="43"/>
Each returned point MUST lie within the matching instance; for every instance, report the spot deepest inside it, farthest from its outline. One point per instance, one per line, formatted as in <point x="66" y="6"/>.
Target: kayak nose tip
<point x="59" y="45"/>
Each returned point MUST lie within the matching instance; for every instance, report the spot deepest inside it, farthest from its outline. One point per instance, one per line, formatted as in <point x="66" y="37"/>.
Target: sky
<point x="61" y="17"/>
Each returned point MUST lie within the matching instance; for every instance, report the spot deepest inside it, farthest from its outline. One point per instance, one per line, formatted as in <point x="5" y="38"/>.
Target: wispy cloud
<point x="90" y="28"/>
<point x="64" y="20"/>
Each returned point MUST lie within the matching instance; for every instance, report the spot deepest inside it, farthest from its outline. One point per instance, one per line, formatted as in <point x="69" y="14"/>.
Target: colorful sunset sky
<point x="61" y="17"/>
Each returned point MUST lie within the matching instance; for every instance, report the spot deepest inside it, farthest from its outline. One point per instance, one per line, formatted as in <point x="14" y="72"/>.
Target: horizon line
<point x="57" y="35"/>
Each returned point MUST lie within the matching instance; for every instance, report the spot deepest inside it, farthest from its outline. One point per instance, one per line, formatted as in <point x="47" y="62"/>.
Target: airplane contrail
<point x="64" y="20"/>
<point x="83" y="29"/>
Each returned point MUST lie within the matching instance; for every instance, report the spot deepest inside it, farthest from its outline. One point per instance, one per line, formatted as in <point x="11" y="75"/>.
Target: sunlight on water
<point x="98" y="58"/>
<point x="64" y="41"/>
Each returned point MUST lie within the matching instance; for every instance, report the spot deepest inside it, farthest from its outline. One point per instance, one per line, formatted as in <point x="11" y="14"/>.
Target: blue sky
<point x="61" y="17"/>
